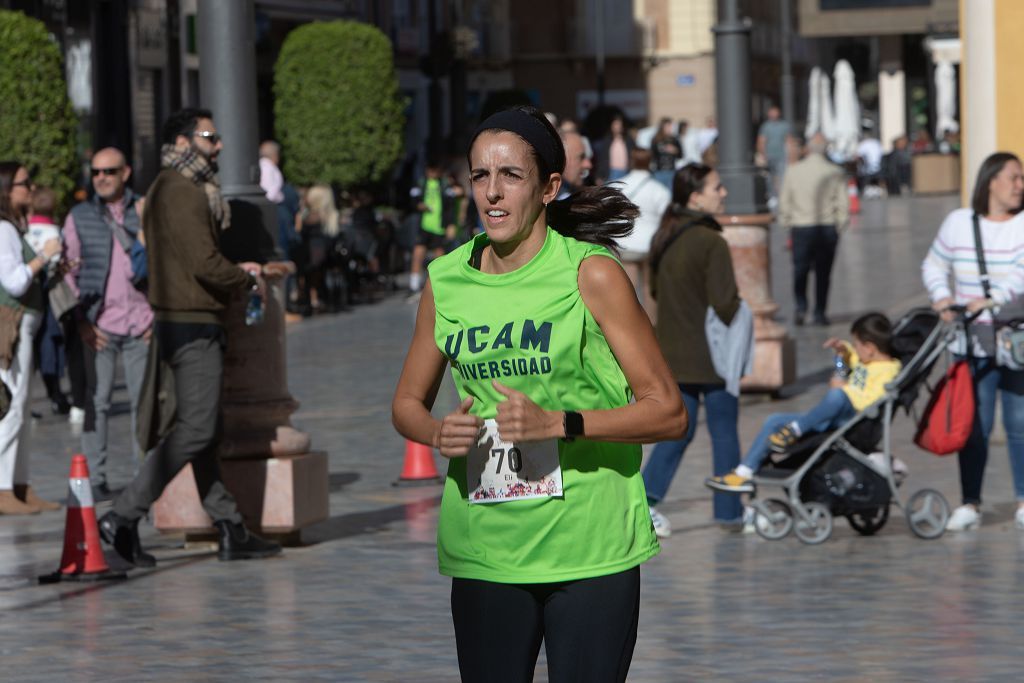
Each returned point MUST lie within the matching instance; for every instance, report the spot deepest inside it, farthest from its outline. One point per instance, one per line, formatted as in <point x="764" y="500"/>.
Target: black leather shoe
<point x="822" y="320"/>
<point x="238" y="543"/>
<point x="59" y="405"/>
<point x="123" y="535"/>
<point x="798" y="318"/>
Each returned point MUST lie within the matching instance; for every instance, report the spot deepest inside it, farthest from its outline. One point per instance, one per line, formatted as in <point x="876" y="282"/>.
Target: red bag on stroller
<point x="949" y="417"/>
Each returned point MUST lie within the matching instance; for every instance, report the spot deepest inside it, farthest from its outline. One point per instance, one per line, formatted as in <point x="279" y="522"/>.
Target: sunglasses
<point x="28" y="184"/>
<point x="106" y="171"/>
<point x="214" y="138"/>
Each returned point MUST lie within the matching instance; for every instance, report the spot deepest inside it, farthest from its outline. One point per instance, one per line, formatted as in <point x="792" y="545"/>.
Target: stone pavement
<point x="362" y="600"/>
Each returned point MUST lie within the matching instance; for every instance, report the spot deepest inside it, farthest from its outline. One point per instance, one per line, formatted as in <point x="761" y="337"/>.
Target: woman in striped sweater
<point x="952" y="275"/>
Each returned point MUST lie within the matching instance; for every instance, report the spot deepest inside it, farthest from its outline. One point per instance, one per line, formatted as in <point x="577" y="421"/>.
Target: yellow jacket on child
<point x="866" y="383"/>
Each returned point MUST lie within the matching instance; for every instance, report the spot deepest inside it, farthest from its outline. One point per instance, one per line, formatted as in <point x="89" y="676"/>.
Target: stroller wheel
<point x="867" y="522"/>
<point x="773" y="519"/>
<point x="814" y="526"/>
<point x="927" y="513"/>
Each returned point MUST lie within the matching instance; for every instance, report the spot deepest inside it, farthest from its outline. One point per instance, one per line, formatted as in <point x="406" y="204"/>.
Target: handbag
<point x="10" y="324"/>
<point x="1010" y="344"/>
<point x="62" y="299"/>
<point x="1009" y="334"/>
<point x="948" y="419"/>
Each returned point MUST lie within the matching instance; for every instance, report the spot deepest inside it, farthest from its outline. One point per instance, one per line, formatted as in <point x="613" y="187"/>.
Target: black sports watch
<point x="573" y="423"/>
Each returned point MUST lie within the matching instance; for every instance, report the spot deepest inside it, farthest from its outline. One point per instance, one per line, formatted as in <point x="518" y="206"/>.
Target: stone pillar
<point x="746" y="222"/>
<point x="266" y="463"/>
<point x="892" y="92"/>
<point x="774" y="351"/>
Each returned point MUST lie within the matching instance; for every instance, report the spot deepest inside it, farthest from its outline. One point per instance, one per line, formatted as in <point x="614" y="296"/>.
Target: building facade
<point x="898" y="49"/>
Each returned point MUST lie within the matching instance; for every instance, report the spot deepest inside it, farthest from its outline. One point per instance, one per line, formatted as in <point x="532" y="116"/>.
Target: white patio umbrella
<point x="813" y="103"/>
<point x="828" y="117"/>
<point x="945" y="100"/>
<point x="847" y="112"/>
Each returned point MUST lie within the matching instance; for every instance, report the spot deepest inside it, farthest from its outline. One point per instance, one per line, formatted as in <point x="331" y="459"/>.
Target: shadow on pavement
<point x="336" y="481"/>
<point x="370" y="522"/>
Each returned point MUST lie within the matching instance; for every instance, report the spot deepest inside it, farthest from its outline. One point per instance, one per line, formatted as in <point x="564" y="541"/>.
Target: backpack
<point x="949" y="417"/>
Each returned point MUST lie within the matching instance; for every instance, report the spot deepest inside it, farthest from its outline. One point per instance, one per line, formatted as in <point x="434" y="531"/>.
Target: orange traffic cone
<point x="854" y="195"/>
<point x="419" y="466"/>
<point x="83" y="556"/>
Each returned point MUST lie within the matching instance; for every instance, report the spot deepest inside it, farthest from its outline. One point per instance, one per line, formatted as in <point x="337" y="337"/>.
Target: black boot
<point x="238" y="543"/>
<point x="124" y="536"/>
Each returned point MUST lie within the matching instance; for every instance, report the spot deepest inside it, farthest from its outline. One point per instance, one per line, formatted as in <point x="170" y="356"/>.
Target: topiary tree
<point x="337" y="110"/>
<point x="37" y="123"/>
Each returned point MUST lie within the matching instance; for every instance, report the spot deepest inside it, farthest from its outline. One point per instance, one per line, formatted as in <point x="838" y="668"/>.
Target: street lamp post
<point x="786" y="21"/>
<point x="735" y="149"/>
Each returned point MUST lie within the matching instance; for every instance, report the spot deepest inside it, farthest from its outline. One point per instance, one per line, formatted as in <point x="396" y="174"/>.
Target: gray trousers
<point x="194" y="437"/>
<point x="99" y="378"/>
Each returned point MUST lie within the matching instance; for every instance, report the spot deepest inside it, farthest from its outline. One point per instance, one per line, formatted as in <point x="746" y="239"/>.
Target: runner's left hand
<point x="520" y="419"/>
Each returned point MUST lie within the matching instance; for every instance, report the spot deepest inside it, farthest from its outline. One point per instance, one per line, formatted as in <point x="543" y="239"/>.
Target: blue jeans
<point x="988" y="378"/>
<point x="723" y="413"/>
<point x="833" y="411"/>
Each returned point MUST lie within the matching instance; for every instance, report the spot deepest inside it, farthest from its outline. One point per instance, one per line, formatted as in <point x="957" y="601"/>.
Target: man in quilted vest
<point x="113" y="317"/>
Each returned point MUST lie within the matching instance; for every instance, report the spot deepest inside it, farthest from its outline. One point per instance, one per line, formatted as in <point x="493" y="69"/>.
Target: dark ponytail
<point x="677" y="217"/>
<point x="599" y="215"/>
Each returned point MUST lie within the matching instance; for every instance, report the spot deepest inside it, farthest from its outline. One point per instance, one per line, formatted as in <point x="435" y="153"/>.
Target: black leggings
<point x="588" y="628"/>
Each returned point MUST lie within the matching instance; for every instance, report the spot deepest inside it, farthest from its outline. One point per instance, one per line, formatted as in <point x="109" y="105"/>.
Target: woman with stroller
<point x="952" y="275"/>
<point x="691" y="269"/>
<point x="871" y="366"/>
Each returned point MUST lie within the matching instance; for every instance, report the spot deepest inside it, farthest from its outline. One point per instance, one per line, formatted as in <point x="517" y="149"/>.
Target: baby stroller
<point x="830" y="473"/>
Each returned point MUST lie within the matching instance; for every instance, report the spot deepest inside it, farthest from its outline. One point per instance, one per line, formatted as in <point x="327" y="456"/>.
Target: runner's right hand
<point x="458" y="432"/>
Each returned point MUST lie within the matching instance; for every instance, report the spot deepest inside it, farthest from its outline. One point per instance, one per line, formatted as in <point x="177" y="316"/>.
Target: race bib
<point x="498" y="470"/>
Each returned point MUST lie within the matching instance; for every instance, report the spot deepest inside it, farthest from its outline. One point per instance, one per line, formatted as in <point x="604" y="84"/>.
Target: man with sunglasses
<point x="113" y="317"/>
<point x="190" y="286"/>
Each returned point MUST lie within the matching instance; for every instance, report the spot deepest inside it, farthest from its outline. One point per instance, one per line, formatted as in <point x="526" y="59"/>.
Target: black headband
<point x="535" y="133"/>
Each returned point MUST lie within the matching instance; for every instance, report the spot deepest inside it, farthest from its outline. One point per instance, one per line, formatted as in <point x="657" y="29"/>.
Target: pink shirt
<point x="125" y="310"/>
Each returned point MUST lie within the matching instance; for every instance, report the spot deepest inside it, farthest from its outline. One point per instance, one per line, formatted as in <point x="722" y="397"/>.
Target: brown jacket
<point x="189" y="279"/>
<point x="695" y="272"/>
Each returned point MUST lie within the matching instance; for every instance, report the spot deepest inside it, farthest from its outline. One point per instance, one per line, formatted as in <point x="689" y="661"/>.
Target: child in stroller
<point x="870" y="360"/>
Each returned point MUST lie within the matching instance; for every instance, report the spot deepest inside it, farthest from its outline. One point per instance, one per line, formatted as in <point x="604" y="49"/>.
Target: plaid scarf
<point x="200" y="171"/>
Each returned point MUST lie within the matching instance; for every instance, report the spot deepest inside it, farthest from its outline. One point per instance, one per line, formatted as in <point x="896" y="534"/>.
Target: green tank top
<point x="530" y="330"/>
<point x="431" y="221"/>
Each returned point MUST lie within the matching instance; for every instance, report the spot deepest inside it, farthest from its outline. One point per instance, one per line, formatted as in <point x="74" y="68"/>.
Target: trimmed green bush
<point x="37" y="123"/>
<point x="337" y="110"/>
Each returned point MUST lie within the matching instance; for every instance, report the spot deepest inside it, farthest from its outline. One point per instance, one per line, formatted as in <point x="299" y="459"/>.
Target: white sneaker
<point x="662" y="529"/>
<point x="76" y="416"/>
<point x="964" y="518"/>
<point x="1018" y="519"/>
<point x="749" y="514"/>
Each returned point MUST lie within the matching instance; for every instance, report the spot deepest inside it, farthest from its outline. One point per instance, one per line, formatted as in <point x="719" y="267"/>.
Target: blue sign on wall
<point x="685" y="80"/>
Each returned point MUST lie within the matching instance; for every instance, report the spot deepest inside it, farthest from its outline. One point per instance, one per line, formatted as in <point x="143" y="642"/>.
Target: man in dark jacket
<point x="190" y="285"/>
